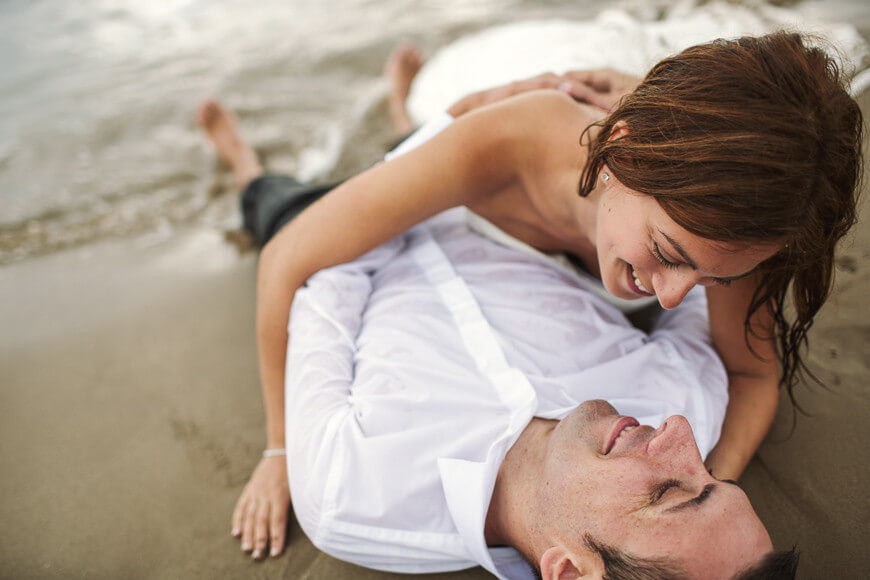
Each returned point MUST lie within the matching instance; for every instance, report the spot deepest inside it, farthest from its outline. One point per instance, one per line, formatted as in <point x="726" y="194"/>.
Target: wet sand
<point x="133" y="415"/>
<point x="132" y="419"/>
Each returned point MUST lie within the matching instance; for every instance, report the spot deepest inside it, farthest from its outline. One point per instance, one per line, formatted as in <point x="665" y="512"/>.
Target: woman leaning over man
<point x="733" y="165"/>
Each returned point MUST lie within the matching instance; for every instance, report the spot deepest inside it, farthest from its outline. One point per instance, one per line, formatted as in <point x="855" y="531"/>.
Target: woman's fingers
<point x="260" y="515"/>
<point x="250" y="518"/>
<point x="587" y="94"/>
<point x="261" y="530"/>
<point x="277" y="527"/>
<point x="238" y="515"/>
<point x="496" y="94"/>
<point x="544" y="81"/>
<point x="602" y="88"/>
<point x="601" y="80"/>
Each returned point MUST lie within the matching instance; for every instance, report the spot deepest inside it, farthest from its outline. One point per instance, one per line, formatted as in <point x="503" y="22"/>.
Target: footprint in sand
<point x="210" y="456"/>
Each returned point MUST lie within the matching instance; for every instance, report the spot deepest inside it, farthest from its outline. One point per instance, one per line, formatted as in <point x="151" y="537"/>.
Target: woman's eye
<point x="657" y="253"/>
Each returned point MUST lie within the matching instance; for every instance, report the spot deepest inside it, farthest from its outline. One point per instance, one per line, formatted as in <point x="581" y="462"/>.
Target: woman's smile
<point x="633" y="282"/>
<point x="638" y="285"/>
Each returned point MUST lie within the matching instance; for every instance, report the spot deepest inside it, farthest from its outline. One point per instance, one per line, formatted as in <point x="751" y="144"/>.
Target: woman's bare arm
<point x="752" y="382"/>
<point x="483" y="152"/>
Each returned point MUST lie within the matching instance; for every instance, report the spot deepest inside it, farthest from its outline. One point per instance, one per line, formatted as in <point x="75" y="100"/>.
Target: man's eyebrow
<point x="695" y="501"/>
<point x="694" y="266"/>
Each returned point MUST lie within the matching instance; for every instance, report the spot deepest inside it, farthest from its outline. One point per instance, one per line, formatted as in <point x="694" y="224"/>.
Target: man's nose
<point x="672" y="287"/>
<point x="674" y="437"/>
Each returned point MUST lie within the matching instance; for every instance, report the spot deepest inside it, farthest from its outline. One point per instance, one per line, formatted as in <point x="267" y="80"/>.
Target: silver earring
<point x="605" y="177"/>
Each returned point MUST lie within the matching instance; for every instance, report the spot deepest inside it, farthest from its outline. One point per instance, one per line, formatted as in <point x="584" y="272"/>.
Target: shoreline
<point x="133" y="415"/>
<point x="133" y="418"/>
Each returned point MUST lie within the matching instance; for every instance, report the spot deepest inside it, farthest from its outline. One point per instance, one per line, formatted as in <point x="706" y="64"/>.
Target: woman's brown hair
<point x="748" y="140"/>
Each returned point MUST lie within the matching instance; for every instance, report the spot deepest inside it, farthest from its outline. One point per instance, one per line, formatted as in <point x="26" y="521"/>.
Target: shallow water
<point x="97" y="97"/>
<point x="97" y="137"/>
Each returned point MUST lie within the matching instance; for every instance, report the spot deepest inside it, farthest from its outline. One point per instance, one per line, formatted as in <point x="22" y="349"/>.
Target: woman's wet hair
<point x="754" y="140"/>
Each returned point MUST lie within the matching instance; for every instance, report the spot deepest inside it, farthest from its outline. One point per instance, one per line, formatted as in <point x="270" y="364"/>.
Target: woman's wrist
<point x="725" y="464"/>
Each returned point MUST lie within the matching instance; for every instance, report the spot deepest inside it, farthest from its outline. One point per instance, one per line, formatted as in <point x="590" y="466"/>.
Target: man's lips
<point x="621" y="424"/>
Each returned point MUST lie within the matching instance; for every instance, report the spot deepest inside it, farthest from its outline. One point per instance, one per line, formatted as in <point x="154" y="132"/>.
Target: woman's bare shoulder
<point x="548" y="108"/>
<point x="543" y="128"/>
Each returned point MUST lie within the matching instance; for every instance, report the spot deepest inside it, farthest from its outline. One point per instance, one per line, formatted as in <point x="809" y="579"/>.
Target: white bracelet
<point x="274" y="452"/>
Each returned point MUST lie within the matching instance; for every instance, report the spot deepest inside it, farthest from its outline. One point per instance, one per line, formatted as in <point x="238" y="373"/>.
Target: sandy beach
<point x="132" y="416"/>
<point x="132" y="419"/>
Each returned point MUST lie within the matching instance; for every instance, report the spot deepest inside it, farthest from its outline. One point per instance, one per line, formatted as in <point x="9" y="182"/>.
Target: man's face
<point x="646" y="491"/>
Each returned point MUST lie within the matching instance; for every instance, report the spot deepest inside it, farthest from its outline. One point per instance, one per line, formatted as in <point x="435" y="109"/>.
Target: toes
<point x="415" y="59"/>
<point x="405" y="59"/>
<point x="208" y="111"/>
<point x="411" y="57"/>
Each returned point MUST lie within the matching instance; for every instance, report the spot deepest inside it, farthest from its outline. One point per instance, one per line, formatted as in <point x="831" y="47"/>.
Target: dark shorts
<point x="272" y="200"/>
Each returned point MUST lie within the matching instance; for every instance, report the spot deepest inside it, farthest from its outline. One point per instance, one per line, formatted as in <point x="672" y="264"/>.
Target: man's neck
<point x="512" y="507"/>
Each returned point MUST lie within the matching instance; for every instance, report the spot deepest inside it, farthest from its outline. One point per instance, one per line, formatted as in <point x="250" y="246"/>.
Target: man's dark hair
<point x="619" y="565"/>
<point x="774" y="566"/>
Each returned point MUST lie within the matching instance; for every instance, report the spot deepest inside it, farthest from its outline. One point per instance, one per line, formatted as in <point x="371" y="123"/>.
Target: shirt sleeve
<point x="325" y="320"/>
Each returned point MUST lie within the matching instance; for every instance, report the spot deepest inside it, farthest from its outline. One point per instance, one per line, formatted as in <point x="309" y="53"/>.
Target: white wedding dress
<point x="614" y="39"/>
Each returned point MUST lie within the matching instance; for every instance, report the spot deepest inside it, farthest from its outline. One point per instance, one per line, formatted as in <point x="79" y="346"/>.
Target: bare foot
<point x="220" y="126"/>
<point x="402" y="66"/>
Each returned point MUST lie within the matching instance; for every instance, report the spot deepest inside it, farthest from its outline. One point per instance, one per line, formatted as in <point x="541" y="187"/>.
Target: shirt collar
<point x="468" y="487"/>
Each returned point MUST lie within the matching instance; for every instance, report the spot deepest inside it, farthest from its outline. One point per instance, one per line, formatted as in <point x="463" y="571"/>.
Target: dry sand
<point x="132" y="419"/>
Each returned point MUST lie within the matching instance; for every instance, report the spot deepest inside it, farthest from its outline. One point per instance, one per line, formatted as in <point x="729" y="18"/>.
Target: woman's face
<point x="643" y="252"/>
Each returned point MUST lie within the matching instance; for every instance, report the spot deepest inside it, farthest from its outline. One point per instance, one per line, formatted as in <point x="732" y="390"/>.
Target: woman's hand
<point x="260" y="517"/>
<point x="601" y="88"/>
<point x="489" y="96"/>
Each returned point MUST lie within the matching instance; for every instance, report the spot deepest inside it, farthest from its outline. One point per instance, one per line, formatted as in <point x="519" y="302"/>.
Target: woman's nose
<point x="672" y="287"/>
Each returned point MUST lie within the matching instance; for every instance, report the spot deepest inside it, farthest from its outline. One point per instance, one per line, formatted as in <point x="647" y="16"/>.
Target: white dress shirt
<point x="412" y="370"/>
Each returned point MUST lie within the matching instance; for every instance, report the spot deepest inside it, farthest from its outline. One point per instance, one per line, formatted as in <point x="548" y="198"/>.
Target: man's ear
<point x="620" y="130"/>
<point x="557" y="563"/>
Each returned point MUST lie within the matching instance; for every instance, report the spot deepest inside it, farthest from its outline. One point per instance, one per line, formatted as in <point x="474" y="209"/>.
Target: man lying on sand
<point x="733" y="165"/>
<point x="444" y="410"/>
<point x="436" y="412"/>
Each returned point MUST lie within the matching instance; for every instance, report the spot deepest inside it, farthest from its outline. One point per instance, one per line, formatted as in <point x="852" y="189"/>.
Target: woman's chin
<point x="616" y="283"/>
<point x="611" y="283"/>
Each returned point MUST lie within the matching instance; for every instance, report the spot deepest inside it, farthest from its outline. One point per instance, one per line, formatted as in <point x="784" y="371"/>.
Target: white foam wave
<point x="614" y="39"/>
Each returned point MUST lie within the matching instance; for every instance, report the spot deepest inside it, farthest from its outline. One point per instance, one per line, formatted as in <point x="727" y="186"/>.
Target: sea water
<point x="97" y="100"/>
